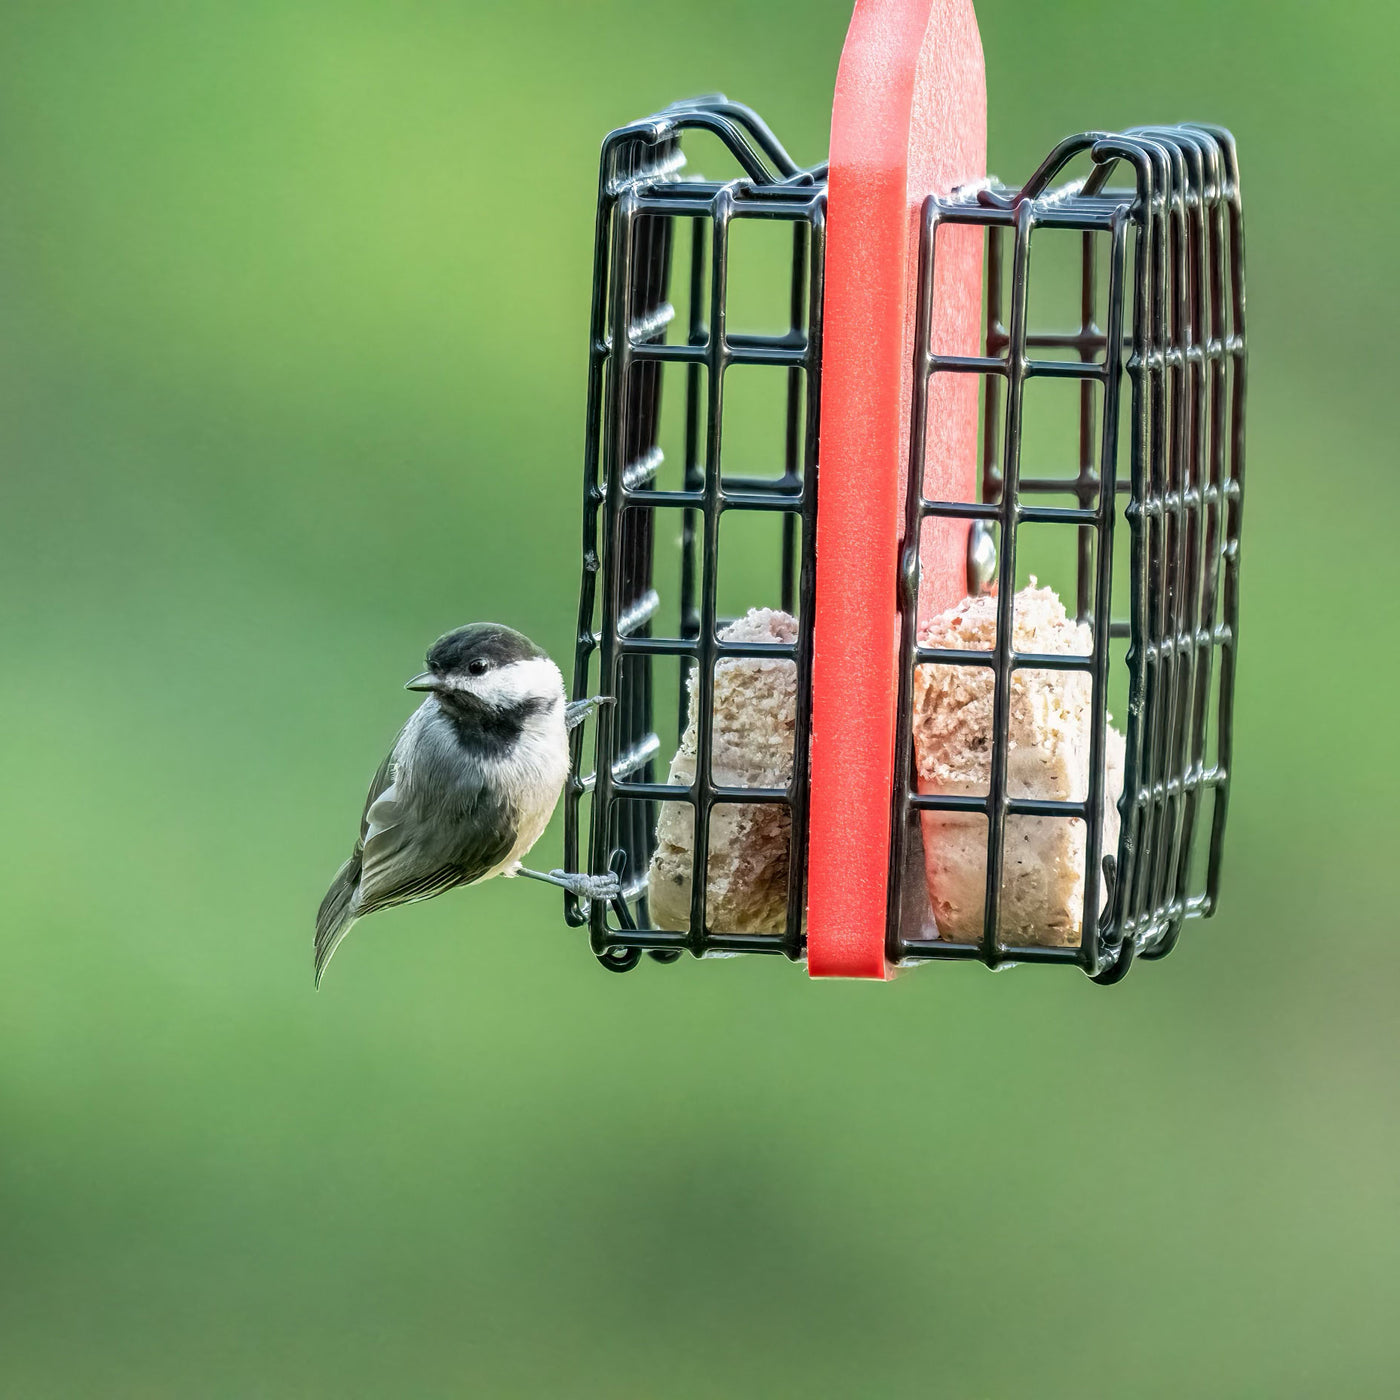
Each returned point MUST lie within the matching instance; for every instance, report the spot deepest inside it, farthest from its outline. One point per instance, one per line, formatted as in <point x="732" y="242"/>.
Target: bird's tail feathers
<point x="337" y="913"/>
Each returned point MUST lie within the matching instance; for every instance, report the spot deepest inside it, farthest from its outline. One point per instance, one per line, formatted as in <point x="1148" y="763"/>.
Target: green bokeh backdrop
<point x="291" y="371"/>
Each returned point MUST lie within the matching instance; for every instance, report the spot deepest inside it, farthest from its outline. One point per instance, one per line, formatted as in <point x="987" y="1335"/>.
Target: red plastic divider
<point x="909" y="119"/>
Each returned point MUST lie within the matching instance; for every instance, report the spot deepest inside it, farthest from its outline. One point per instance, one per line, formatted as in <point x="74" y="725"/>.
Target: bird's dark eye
<point x="479" y="666"/>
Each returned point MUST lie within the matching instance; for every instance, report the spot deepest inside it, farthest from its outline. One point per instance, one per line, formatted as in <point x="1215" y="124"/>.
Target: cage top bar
<point x="909" y="120"/>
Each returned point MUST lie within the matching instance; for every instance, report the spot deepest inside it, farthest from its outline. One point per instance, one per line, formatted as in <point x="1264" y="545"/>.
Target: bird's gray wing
<point x="381" y="780"/>
<point x="414" y="850"/>
<point x="339" y="908"/>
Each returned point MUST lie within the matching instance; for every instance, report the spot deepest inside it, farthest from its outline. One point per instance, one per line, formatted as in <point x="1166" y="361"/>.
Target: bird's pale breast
<point x="534" y="774"/>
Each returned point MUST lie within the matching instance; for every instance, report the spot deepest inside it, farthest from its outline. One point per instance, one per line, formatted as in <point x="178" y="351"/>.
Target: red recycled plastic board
<point x="909" y="119"/>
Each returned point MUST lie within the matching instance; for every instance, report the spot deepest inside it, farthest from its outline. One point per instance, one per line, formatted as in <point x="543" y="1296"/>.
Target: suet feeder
<point x="906" y="382"/>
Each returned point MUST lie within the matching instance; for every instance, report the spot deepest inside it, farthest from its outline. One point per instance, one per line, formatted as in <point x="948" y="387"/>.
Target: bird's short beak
<point x="427" y="681"/>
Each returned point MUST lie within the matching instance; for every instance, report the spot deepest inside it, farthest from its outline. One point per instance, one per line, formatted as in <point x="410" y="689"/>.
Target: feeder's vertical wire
<point x="1140" y="373"/>
<point x="631" y="535"/>
<point x="632" y="525"/>
<point x="1177" y="504"/>
<point x="1150" y="502"/>
<point x="799" y="789"/>
<point x="909" y="580"/>
<point x="1087" y="484"/>
<point x="1006" y="580"/>
<point x="1091" y="939"/>
<point x="610" y="659"/>
<point x="585" y="640"/>
<point x="1230" y="644"/>
<point x="1218" y="333"/>
<point x="635" y="381"/>
<point x="694" y="469"/>
<point x="1157" y="562"/>
<point x="1173" y="558"/>
<point x="1188" y="762"/>
<point x="1190" y="199"/>
<point x="717" y="358"/>
<point x="1145" y="501"/>
<point x="991" y="385"/>
<point x="1220" y="361"/>
<point x="1085" y="487"/>
<point x="649" y="809"/>
<point x="1188" y="543"/>
<point x="793" y="425"/>
<point x="643" y="814"/>
<point x="991" y="404"/>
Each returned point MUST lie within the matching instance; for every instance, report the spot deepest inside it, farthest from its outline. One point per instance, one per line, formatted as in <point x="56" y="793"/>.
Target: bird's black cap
<point x="486" y="641"/>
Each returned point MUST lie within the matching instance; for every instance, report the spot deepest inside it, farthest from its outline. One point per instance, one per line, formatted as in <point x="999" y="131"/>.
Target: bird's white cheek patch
<point x="536" y="679"/>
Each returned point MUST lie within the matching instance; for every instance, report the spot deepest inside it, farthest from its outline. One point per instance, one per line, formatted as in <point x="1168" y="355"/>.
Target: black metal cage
<point x="641" y="201"/>
<point x="1156" y="366"/>
<point x="1172" y="329"/>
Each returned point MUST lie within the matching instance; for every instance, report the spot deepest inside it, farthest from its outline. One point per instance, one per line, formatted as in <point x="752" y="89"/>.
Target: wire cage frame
<point x="1171" y="329"/>
<point x="641" y="199"/>
<point x="1174" y="326"/>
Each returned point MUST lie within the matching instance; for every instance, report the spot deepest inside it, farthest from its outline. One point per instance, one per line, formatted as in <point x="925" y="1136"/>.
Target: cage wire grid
<point x="1184" y="358"/>
<point x="1172" y="329"/>
<point x="640" y="201"/>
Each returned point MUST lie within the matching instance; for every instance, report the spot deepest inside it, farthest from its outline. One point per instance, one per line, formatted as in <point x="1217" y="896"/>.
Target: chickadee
<point x="469" y="785"/>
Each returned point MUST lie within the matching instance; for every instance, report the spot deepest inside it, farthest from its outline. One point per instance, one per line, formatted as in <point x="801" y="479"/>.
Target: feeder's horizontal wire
<point x="1045" y="807"/>
<point x="638" y="613"/>
<point x="949" y="802"/>
<point x="631" y="889"/>
<point x="967" y="364"/>
<point x="924" y="949"/>
<point x="643" y="470"/>
<point x="787" y="487"/>
<point x="789" y="343"/>
<point x="1033" y="369"/>
<point x="637" y="757"/>
<point x="752" y="352"/>
<point x="1057" y="515"/>
<point x="1083" y="219"/>
<point x="723" y="795"/>
<point x="1067" y="484"/>
<point x="794" y="342"/>
<point x="663" y="500"/>
<point x="758" y="500"/>
<point x="1020" y="660"/>
<point x="921" y="949"/>
<point x="653" y="323"/>
<point x="697" y="200"/>
<point x="690" y="647"/>
<point x="765" y="499"/>
<point x="1065" y="369"/>
<point x="719" y="944"/>
<point x="646" y="938"/>
<point x="1028" y="515"/>
<point x="972" y="805"/>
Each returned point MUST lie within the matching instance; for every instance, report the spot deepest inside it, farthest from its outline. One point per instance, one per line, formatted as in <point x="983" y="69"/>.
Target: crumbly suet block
<point x="755" y="713"/>
<point x="1042" y="892"/>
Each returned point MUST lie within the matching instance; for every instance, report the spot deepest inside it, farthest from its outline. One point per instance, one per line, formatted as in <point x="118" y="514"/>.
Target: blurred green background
<point x="293" y="335"/>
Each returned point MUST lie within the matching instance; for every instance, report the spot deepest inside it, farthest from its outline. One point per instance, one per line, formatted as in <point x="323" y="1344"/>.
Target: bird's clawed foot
<point x="576" y="711"/>
<point x="604" y="887"/>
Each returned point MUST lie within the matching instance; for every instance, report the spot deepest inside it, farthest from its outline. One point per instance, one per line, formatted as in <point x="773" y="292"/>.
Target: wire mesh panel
<point x="654" y="528"/>
<point x="1148" y="365"/>
<point x="1156" y="369"/>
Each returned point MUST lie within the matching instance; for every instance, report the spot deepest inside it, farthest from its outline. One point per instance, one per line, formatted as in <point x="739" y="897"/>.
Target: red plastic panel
<point x="909" y="119"/>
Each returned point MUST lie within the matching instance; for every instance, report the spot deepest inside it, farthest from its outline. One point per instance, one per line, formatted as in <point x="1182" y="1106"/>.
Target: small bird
<point x="469" y="785"/>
